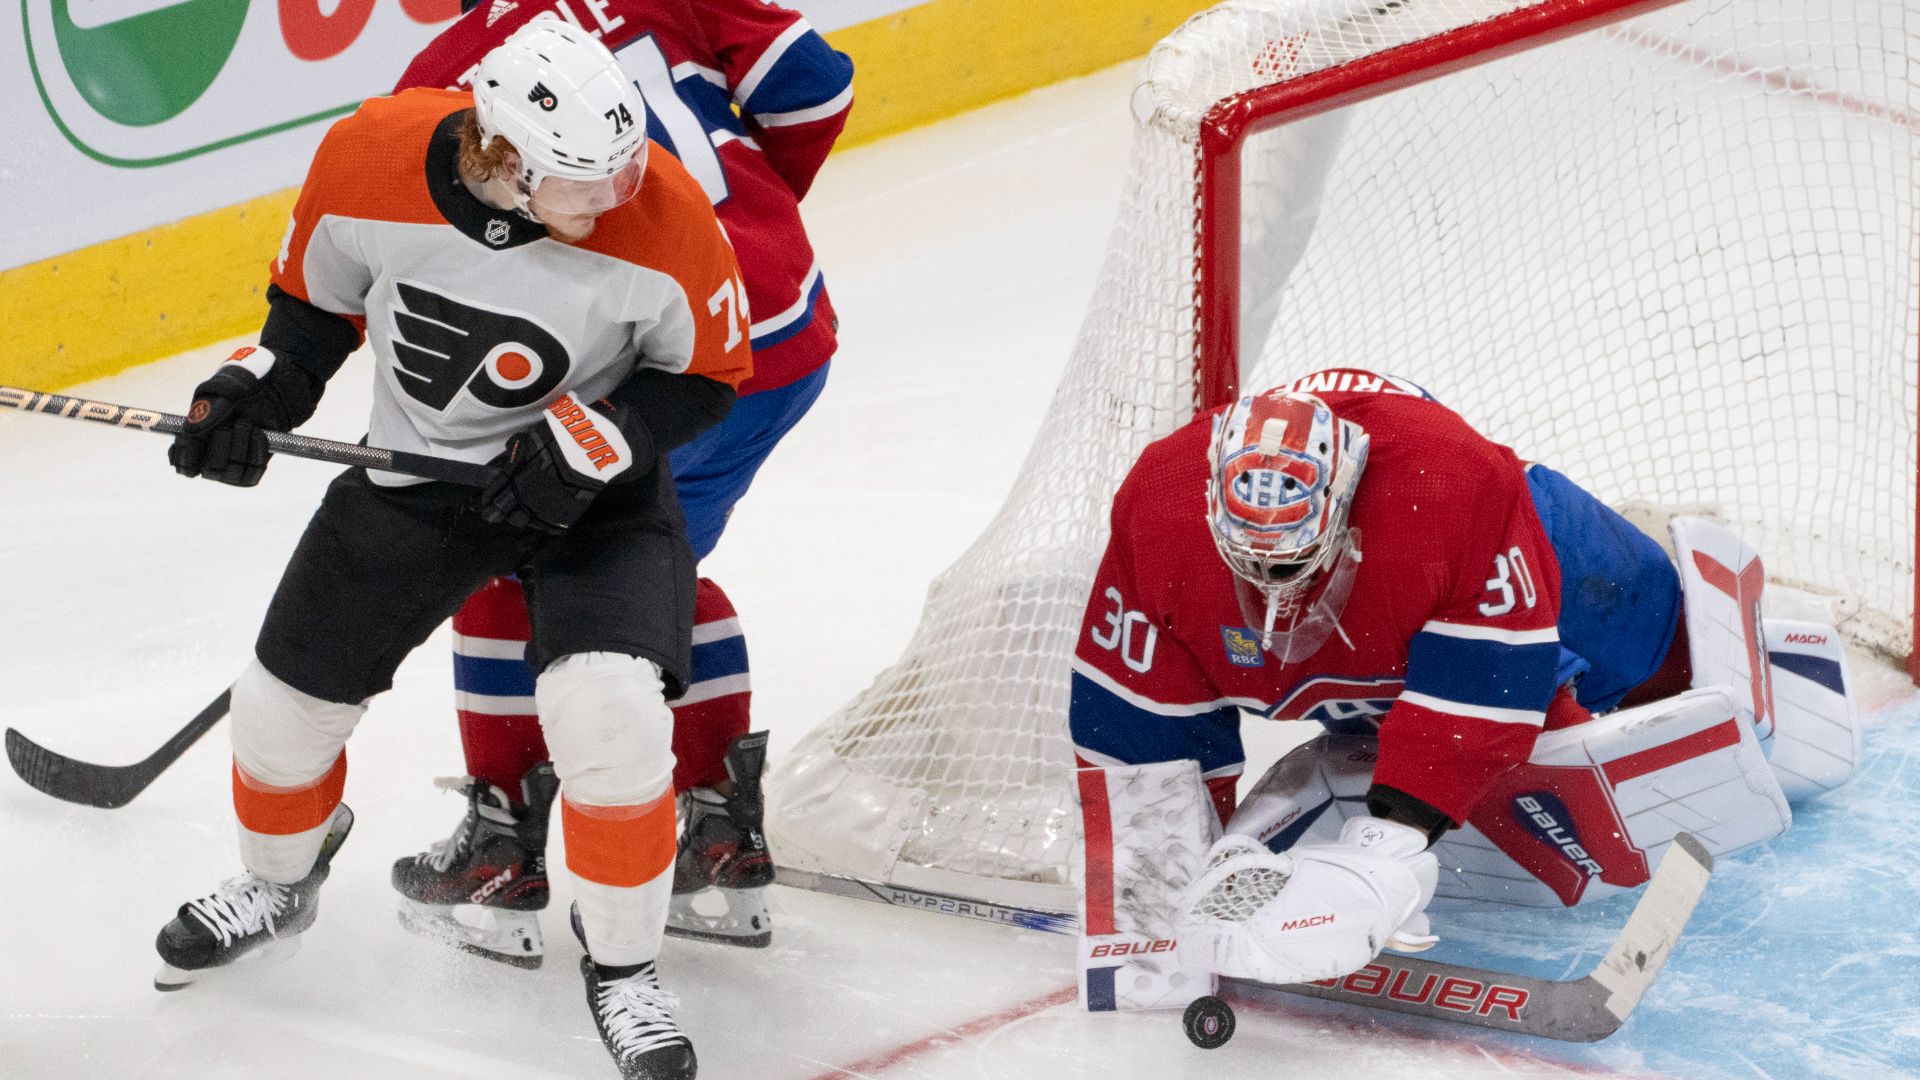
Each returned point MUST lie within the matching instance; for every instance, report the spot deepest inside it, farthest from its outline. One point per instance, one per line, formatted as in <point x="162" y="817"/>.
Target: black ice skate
<point x="635" y="1018"/>
<point x="248" y="916"/>
<point x="478" y="889"/>
<point x="723" y="866"/>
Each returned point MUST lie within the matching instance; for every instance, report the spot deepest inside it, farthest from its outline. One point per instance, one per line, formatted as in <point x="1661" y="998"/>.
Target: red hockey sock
<point x="493" y="687"/>
<point x="714" y="710"/>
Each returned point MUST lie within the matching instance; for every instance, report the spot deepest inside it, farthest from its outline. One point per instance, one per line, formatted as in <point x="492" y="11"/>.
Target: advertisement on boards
<point x="134" y="113"/>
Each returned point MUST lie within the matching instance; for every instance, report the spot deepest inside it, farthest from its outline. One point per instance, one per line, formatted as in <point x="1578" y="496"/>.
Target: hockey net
<point x="1670" y="249"/>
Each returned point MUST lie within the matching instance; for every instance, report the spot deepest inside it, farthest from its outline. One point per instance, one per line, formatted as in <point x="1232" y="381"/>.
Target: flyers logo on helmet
<point x="543" y="97"/>
<point x="442" y="346"/>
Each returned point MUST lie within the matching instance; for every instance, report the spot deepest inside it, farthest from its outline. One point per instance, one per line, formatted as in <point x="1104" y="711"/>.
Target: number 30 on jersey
<point x="1130" y="633"/>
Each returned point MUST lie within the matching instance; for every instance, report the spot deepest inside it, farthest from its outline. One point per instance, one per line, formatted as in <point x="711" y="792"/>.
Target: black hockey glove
<point x="551" y="472"/>
<point x="225" y="436"/>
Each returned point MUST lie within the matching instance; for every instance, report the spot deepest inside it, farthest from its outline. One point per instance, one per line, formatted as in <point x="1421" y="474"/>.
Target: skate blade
<point x="273" y="953"/>
<point x="505" y="937"/>
<point x="733" y="917"/>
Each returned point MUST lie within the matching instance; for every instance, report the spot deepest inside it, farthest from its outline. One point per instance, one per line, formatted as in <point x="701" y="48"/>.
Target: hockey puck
<point x="1209" y="1022"/>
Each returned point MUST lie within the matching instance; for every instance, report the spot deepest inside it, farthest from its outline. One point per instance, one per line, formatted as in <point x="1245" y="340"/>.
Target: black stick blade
<point x="108" y="787"/>
<point x="72" y="781"/>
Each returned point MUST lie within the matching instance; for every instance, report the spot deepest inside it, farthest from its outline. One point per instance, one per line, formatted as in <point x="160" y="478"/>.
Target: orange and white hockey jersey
<point x="477" y="317"/>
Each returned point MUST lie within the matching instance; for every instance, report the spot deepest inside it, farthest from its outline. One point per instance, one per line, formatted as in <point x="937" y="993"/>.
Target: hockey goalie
<point x="1525" y="698"/>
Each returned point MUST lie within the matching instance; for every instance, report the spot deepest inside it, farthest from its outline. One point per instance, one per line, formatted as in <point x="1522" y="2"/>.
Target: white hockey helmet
<point x="1282" y="472"/>
<point x="562" y="100"/>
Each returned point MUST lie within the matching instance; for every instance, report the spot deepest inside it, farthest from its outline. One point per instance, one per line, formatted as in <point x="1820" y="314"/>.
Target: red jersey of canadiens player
<point x="1430" y="611"/>
<point x="1496" y="655"/>
<point x="750" y="100"/>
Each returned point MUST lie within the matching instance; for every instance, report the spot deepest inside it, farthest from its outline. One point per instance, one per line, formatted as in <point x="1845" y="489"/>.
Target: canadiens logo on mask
<point x="1283" y="470"/>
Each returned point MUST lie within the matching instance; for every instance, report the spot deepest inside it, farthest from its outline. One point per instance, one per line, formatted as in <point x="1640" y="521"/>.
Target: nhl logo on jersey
<point x="1243" y="647"/>
<point x="543" y="97"/>
<point x="498" y="232"/>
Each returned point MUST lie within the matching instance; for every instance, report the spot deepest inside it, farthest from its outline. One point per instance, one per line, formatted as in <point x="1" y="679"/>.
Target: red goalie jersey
<point x="694" y="61"/>
<point x="1447" y="642"/>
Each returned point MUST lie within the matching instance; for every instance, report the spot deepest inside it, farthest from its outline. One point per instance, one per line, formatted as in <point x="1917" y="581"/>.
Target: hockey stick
<point x="425" y="466"/>
<point x="106" y="786"/>
<point x="1582" y="1009"/>
<point x="1052" y="922"/>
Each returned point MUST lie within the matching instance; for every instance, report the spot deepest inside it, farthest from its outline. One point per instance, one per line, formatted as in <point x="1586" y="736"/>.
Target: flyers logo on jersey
<point x="442" y="346"/>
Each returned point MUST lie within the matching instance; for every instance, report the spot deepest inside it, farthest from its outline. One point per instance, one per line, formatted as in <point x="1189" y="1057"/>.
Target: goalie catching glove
<point x="551" y="471"/>
<point x="1317" y="911"/>
<point x="225" y="434"/>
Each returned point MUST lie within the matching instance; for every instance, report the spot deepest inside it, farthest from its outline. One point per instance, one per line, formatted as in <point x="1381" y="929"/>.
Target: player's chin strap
<point x="1321" y="620"/>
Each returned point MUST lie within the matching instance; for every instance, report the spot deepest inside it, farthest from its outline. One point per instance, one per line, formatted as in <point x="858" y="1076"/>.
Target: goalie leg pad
<point x="1596" y="805"/>
<point x="1722" y="580"/>
<point x="1816" y="740"/>
<point x="1310" y="793"/>
<point x="1147" y="830"/>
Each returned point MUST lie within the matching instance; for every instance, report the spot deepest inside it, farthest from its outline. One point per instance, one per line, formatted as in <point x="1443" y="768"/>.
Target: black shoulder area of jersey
<point x="495" y="230"/>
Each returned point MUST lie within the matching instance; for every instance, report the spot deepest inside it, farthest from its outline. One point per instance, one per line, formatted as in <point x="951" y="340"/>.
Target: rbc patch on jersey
<point x="1243" y="647"/>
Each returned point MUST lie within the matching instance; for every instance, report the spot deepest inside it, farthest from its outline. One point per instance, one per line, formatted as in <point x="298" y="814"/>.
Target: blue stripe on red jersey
<point x="717" y="659"/>
<point x="799" y="322"/>
<point x="712" y="104"/>
<point x="807" y="72"/>
<point x="1515" y="670"/>
<point x="494" y="678"/>
<point x="1116" y="729"/>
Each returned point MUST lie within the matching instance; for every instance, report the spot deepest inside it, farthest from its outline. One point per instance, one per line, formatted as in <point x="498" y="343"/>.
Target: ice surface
<point x="960" y="257"/>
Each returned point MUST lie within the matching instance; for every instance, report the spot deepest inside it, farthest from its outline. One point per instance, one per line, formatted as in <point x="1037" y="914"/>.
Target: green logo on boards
<point x="140" y="83"/>
<point x="140" y="64"/>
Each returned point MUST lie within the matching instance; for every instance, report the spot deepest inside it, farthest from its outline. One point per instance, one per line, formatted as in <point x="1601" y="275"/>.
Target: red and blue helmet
<point x="1282" y="473"/>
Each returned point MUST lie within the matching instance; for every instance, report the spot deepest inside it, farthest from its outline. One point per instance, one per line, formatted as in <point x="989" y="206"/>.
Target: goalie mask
<point x="575" y="117"/>
<point x="1282" y="471"/>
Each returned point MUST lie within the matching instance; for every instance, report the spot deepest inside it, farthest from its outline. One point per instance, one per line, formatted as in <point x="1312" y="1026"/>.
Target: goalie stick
<point x="1583" y="1009"/>
<point x="108" y="787"/>
<point x="425" y="466"/>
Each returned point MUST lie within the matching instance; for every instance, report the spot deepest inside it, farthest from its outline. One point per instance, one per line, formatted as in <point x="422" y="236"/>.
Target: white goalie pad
<point x="1308" y="795"/>
<point x="1148" y="828"/>
<point x="1722" y="580"/>
<point x="1587" y="816"/>
<point x="1597" y="804"/>
<point x="1816" y="741"/>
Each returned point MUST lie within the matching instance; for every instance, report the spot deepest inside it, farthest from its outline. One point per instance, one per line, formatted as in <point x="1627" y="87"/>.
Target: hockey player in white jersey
<point x="542" y="293"/>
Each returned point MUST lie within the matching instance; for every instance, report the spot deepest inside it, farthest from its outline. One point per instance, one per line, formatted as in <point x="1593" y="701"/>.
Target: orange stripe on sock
<point x="282" y="811"/>
<point x="621" y="846"/>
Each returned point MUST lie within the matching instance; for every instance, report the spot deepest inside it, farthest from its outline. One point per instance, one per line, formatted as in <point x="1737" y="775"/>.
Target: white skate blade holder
<point x="509" y="937"/>
<point x="272" y="954"/>
<point x="727" y="916"/>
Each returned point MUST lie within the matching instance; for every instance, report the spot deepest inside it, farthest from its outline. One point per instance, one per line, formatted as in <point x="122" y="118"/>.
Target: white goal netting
<point x="1675" y="257"/>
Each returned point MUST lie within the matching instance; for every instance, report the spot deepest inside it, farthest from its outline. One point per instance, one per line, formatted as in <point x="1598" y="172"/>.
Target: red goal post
<point x="1671" y="249"/>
